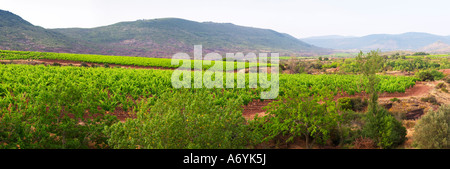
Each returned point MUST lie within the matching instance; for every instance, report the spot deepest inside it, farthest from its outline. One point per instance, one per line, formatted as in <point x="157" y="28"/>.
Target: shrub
<point x="432" y="131"/>
<point x="55" y="64"/>
<point x="34" y="125"/>
<point x="395" y="100"/>
<point x="364" y="143"/>
<point x="384" y="129"/>
<point x="345" y="103"/>
<point x="430" y="99"/>
<point x="429" y="75"/>
<point x="440" y="85"/>
<point x="420" y="54"/>
<point x="317" y="65"/>
<point x="183" y="120"/>
<point x="83" y="64"/>
<point x="437" y="75"/>
<point x="447" y="79"/>
<point x="355" y="104"/>
<point x="425" y="76"/>
<point x="297" y="114"/>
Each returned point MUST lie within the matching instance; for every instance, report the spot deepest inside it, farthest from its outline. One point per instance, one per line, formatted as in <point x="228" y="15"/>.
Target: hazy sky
<point x="301" y="18"/>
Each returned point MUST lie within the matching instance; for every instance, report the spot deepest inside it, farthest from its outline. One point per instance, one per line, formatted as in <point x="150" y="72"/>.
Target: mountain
<point x="18" y="34"/>
<point x="167" y="36"/>
<point x="385" y="42"/>
<point x="148" y="38"/>
<point x="330" y="37"/>
<point x="437" y="47"/>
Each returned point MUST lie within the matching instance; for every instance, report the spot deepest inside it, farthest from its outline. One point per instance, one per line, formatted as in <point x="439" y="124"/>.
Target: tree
<point x="299" y="115"/>
<point x="420" y="54"/>
<point x="432" y="131"/>
<point x="369" y="65"/>
<point x="380" y="125"/>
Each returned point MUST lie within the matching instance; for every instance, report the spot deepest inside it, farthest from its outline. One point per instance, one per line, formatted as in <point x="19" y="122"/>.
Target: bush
<point x="384" y="129"/>
<point x="364" y="143"/>
<point x="432" y="131"/>
<point x="317" y="65"/>
<point x="355" y="104"/>
<point x="298" y="115"/>
<point x="55" y="64"/>
<point x="183" y="120"/>
<point x="447" y="79"/>
<point x="427" y="75"/>
<point x="26" y="124"/>
<point x="430" y="99"/>
<point x="420" y="54"/>
<point x="345" y="103"/>
<point x="395" y="100"/>
<point x="440" y="85"/>
<point x="437" y="75"/>
<point x="83" y="64"/>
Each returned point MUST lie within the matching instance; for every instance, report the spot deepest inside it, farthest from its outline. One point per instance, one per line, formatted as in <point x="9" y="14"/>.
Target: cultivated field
<point x="53" y="100"/>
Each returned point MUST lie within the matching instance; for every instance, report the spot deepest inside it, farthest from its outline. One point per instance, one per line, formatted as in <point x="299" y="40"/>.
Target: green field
<point x="121" y="60"/>
<point x="38" y="102"/>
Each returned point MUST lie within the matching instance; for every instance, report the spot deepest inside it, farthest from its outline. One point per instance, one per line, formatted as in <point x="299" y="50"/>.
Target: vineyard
<point x="120" y="60"/>
<point x="177" y="83"/>
<point x="77" y="107"/>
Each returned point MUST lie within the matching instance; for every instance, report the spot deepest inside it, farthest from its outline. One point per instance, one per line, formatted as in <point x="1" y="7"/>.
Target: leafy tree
<point x="297" y="114"/>
<point x="369" y="65"/>
<point x="380" y="126"/>
<point x="183" y="119"/>
<point x="432" y="131"/>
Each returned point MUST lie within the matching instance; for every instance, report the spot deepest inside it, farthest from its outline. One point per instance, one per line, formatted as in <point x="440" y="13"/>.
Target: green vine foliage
<point x="183" y="120"/>
<point x="298" y="114"/>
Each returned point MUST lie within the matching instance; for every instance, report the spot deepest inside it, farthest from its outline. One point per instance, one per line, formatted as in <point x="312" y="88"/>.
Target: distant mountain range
<point x="408" y="41"/>
<point x="148" y="38"/>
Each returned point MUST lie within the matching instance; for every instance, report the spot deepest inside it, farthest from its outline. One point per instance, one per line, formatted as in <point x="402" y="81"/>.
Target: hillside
<point x="437" y="47"/>
<point x="18" y="34"/>
<point x="167" y="36"/>
<point x="385" y="42"/>
<point x="148" y="38"/>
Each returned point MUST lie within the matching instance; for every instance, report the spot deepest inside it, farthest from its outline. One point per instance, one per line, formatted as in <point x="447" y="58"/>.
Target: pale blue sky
<point x="301" y="18"/>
